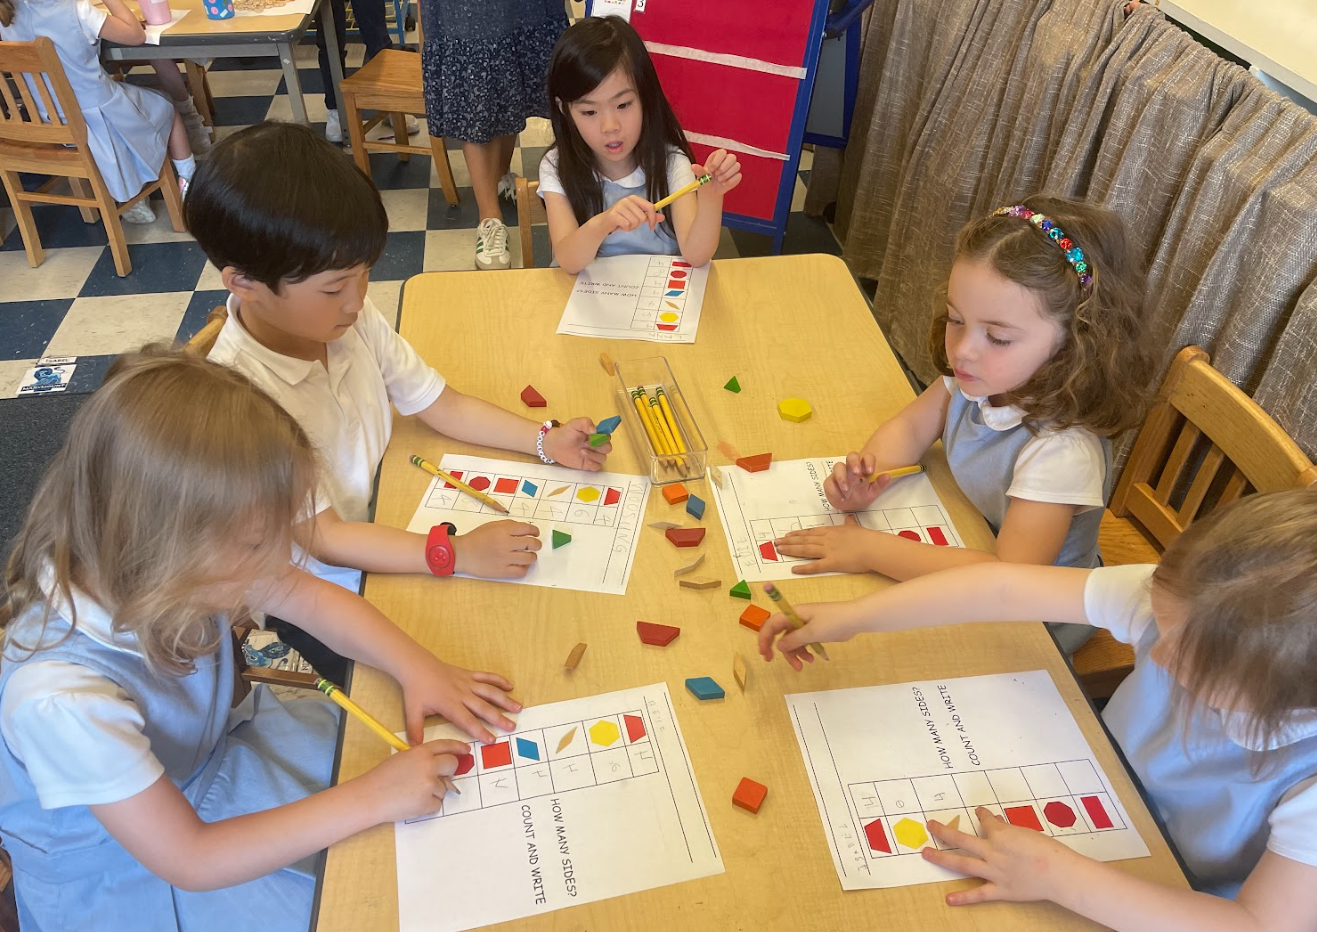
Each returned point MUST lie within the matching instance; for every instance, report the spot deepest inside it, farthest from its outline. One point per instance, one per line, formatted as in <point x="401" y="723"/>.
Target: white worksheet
<point x="588" y="799"/>
<point x="600" y="510"/>
<point x="758" y="508"/>
<point x="655" y="298"/>
<point x="883" y="760"/>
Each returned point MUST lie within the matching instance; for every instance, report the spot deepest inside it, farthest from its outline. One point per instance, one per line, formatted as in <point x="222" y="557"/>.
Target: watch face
<point x="440" y="558"/>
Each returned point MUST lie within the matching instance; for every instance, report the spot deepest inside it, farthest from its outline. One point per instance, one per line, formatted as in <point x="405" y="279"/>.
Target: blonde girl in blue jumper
<point x="1218" y="720"/>
<point x="1044" y="355"/>
<point x="131" y="798"/>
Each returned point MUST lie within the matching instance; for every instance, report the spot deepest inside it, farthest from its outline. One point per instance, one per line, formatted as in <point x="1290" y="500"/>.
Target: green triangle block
<point x="562" y="537"/>
<point x="739" y="591"/>
<point x="733" y="385"/>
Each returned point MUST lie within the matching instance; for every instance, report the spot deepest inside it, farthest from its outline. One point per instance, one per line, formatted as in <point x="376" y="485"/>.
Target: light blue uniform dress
<point x="127" y="126"/>
<point x="70" y="875"/>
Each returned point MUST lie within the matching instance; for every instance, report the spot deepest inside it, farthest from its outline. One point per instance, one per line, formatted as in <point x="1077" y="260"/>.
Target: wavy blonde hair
<point x="1098" y="377"/>
<point x="179" y="478"/>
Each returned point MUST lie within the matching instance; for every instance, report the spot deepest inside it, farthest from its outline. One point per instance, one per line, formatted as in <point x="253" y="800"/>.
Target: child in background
<point x="127" y="801"/>
<point x="1045" y="357"/>
<point x="1218" y="719"/>
<point x="619" y="149"/>
<point x="129" y="128"/>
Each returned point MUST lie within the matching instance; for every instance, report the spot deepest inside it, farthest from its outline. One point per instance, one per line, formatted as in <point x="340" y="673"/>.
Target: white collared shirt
<point x="344" y="405"/>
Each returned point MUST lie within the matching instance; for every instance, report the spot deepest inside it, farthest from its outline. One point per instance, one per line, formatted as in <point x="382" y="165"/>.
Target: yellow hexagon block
<point x="588" y="494"/>
<point x="795" y="409"/>
<point x="909" y="833"/>
<point x="604" y="733"/>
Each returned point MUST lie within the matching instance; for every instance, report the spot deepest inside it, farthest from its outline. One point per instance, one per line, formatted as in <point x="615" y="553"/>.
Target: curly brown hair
<point x="1098" y="377"/>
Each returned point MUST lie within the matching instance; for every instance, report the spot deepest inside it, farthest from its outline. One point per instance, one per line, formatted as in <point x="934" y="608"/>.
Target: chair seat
<point x="391" y="72"/>
<point x="35" y="154"/>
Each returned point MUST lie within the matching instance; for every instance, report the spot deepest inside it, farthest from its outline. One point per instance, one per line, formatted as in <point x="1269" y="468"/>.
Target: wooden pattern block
<point x="754" y="617"/>
<point x="609" y="424"/>
<point x="700" y="582"/>
<point x="655" y="634"/>
<point x="794" y="409"/>
<point x="685" y="536"/>
<point x="695" y="507"/>
<point x="574" y="657"/>
<point x="741" y="590"/>
<point x="733" y="385"/>
<point x="675" y="493"/>
<point x="560" y="538"/>
<point x="749" y="795"/>
<point x="598" y="440"/>
<point x="704" y="687"/>
<point x="663" y="525"/>
<point x="607" y="362"/>
<point x="757" y="463"/>
<point x="689" y="567"/>
<point x="717" y="475"/>
<point x="738" y="671"/>
<point x="532" y="398"/>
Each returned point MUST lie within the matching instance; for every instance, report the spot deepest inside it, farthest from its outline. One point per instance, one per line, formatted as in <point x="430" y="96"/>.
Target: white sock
<point x="185" y="168"/>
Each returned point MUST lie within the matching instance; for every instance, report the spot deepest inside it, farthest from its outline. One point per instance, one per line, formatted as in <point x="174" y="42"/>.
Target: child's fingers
<point x="983" y="893"/>
<point x="521" y="559"/>
<point x="989" y="821"/>
<point x="502" y="682"/>
<point x="496" y="698"/>
<point x="489" y="713"/>
<point x="822" y="565"/>
<point x="965" y="841"/>
<point x="810" y="550"/>
<point x="522" y="529"/>
<point x="769" y="630"/>
<point x="868" y="463"/>
<point x="446" y="746"/>
<point x="467" y="721"/>
<point x="414" y="717"/>
<point x="960" y="863"/>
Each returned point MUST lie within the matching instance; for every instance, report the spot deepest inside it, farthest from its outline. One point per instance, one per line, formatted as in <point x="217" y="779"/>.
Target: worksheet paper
<point x="655" y="298"/>
<point x="600" y="510"/>
<point x="588" y="799"/>
<point x="758" y="508"/>
<point x="883" y="760"/>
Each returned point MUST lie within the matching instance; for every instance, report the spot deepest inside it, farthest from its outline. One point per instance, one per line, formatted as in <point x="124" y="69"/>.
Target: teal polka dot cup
<point x="218" y="9"/>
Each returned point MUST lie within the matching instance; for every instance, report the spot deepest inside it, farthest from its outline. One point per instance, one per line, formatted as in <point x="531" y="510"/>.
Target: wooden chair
<point x="530" y="210"/>
<point x="8" y="907"/>
<point x="58" y="147"/>
<point x="1204" y="444"/>
<point x="390" y="83"/>
<point x="203" y="341"/>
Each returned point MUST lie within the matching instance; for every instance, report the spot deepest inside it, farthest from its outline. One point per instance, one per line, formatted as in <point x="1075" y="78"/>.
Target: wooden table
<point x="197" y="37"/>
<point x="785" y="326"/>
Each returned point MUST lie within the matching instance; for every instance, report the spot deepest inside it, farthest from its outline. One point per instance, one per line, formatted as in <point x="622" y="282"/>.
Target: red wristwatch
<point x="439" y="554"/>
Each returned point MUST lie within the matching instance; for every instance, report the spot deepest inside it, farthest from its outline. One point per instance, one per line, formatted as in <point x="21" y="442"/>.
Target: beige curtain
<point x="966" y="105"/>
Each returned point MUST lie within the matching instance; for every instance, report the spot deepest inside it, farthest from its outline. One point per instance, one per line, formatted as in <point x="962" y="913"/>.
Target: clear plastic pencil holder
<point x="652" y="438"/>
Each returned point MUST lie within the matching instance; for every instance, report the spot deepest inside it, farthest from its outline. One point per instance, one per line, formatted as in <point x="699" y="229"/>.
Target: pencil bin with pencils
<point x="666" y="438"/>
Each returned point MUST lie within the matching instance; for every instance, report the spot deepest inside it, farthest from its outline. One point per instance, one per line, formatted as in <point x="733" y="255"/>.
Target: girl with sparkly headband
<point x="1044" y="356"/>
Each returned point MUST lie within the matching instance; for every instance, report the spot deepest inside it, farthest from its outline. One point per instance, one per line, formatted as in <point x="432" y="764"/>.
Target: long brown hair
<point x="6" y="12"/>
<point x="179" y="475"/>
<point x="1246" y="578"/>
<point x="1098" y="377"/>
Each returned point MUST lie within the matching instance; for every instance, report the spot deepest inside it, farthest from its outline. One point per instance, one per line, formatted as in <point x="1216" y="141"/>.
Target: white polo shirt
<point x="344" y="405"/>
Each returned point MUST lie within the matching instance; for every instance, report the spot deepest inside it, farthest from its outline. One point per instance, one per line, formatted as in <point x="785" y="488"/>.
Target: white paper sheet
<point x="153" y="32"/>
<point x="588" y="799"/>
<point x="885" y="759"/>
<point x="758" y="508"/>
<point x="293" y="7"/>
<point x="620" y="8"/>
<point x="655" y="298"/>
<point x="600" y="510"/>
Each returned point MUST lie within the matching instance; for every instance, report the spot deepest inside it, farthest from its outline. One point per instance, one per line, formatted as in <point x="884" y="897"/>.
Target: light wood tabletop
<point x="785" y="326"/>
<point x="196" y="26"/>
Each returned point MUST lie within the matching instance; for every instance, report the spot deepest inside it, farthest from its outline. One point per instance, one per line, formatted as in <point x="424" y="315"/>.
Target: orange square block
<point x="749" y="795"/>
<point x="675" y="493"/>
<point x="754" y="617"/>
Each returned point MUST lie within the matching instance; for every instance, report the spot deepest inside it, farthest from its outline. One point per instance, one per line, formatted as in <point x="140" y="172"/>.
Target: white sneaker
<point x="413" y="127"/>
<point x="492" y="245"/>
<point x="140" y="212"/>
<point x="333" y="127"/>
<point x="507" y="186"/>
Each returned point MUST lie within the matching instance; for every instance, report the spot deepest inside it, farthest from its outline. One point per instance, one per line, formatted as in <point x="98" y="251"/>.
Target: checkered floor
<point x="75" y="305"/>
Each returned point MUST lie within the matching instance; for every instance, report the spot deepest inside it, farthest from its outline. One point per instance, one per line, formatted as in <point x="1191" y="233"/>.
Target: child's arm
<point x="698" y="220"/>
<point x="474" y="420"/>
<point x="575" y="245"/>
<point x="1021" y="865"/>
<point x="122" y="26"/>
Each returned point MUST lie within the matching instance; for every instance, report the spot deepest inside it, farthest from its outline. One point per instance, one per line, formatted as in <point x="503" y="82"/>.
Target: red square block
<point x="754" y="617"/>
<point x="749" y="795"/>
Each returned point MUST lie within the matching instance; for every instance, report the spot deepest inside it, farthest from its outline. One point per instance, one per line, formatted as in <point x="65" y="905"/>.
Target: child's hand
<point x="411" y="784"/>
<point x="629" y="214"/>
<point x="498" y="550"/>
<point x="724" y="169"/>
<point x="464" y="698"/>
<point x="833" y="549"/>
<point x="824" y="622"/>
<point x="1018" y="864"/>
<point x="569" y="444"/>
<point x="848" y="489"/>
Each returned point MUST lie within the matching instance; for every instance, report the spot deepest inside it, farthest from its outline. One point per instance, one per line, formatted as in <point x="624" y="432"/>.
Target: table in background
<point x="786" y="326"/>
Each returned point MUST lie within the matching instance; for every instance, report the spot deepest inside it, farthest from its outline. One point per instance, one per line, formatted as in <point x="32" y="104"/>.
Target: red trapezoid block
<point x="757" y="463"/>
<point x="655" y="634"/>
<point x="532" y="398"/>
<point x="685" y="536"/>
<point x="666" y="326"/>
<point x="678" y="264"/>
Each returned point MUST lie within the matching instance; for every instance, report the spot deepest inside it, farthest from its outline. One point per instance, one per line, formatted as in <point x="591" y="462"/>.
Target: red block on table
<point x="754" y="617"/>
<point x="1023" y="816"/>
<point x="656" y="635"/>
<point x="749" y="795"/>
<point x="757" y="463"/>
<point x="495" y="755"/>
<point x="685" y="536"/>
<point x="532" y="398"/>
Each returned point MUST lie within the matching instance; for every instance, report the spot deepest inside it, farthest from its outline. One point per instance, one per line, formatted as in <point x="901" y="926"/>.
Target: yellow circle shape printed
<point x="667" y="317"/>
<point x="910" y="833"/>
<point x="604" y="733"/>
<point x="588" y="494"/>
<point x="794" y="409"/>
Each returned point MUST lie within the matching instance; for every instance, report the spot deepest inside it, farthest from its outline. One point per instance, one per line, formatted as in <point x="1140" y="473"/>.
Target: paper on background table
<point x="292" y="8"/>
<point x="153" y="32"/>
<point x="600" y="510"/>
<point x="588" y="799"/>
<point x="655" y="298"/>
<point x="758" y="508"/>
<point x="883" y="760"/>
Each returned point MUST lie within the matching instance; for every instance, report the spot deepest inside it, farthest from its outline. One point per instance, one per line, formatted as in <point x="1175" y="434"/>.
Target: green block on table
<point x="609" y="424"/>
<point x="562" y="537"/>
<point x="740" y="591"/>
<point x="598" y="440"/>
<point x="733" y="385"/>
<point x="704" y="687"/>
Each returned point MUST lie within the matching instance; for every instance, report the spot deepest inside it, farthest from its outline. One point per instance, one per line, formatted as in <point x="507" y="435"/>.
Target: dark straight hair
<point x="280" y="204"/>
<point x="587" y="53"/>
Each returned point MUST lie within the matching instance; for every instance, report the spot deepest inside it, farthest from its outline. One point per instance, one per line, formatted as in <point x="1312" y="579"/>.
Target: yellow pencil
<point x="894" y="473"/>
<point x="672" y="420"/>
<point x="655" y="439"/>
<point x="434" y="470"/>
<point x="683" y="191"/>
<point x="776" y="595"/>
<point x="662" y="423"/>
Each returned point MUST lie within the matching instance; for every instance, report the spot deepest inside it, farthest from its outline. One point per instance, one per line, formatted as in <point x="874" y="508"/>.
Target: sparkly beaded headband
<point x="1073" y="254"/>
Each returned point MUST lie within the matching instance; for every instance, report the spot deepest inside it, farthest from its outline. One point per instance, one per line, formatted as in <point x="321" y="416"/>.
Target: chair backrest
<point x="1205" y="444"/>
<point x="530" y="210"/>
<point x="203" y="341"/>
<point x="33" y="83"/>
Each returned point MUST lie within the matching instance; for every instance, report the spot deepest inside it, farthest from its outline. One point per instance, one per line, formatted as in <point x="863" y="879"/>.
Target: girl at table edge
<point x="619" y="149"/>
<point x="126" y="799"/>
<point x="1042" y="346"/>
<point x="1218" y="719"/>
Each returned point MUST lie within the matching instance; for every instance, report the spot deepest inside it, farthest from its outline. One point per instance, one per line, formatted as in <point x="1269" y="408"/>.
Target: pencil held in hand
<point x="434" y="470"/>
<point x="894" y="473"/>
<point x="776" y="595"/>
<point x="683" y="191"/>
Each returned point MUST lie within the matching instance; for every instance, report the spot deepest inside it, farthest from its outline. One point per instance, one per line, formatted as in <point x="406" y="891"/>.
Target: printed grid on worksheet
<point x="927" y="524"/>
<point x="531" y="498"/>
<point x="662" y="299"/>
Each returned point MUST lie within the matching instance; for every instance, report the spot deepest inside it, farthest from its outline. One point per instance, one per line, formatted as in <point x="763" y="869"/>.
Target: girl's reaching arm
<point x="576" y="245"/>
<point x="697" y="220"/>
<point x="122" y="26"/>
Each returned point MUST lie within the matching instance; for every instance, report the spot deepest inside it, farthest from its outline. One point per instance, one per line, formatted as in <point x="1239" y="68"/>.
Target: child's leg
<point x="171" y="79"/>
<point x="485" y="163"/>
<point x="179" y="149"/>
<point x="341" y="32"/>
<point x="505" y="146"/>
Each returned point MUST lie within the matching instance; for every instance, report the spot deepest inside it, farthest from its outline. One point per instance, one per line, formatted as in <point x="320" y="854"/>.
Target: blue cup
<point x="218" y="9"/>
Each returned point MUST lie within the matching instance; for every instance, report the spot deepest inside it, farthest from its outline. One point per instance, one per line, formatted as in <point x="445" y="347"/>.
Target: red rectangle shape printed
<point x="1097" y="813"/>
<point x="936" y="536"/>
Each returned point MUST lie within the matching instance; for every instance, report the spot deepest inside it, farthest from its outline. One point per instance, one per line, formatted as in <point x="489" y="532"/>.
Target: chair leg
<point x="79" y="185"/>
<point x="356" y="135"/>
<point x="173" y="199"/>
<point x="524" y="225"/>
<point x="399" y="121"/>
<point x="440" y="154"/>
<point x="123" y="265"/>
<point x="200" y="89"/>
<point x="27" y="224"/>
